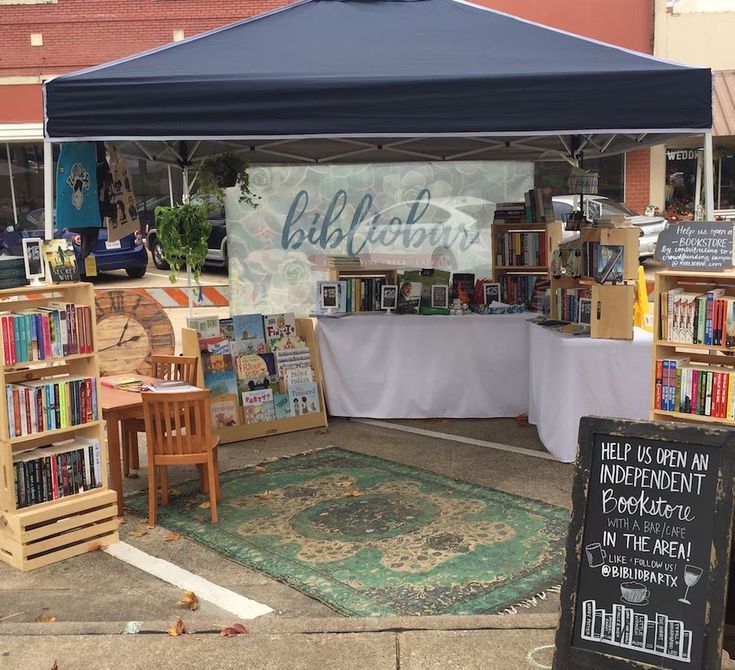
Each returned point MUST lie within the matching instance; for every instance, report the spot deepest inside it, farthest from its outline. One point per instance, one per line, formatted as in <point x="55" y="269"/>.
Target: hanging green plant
<point x="219" y="172"/>
<point x="183" y="231"/>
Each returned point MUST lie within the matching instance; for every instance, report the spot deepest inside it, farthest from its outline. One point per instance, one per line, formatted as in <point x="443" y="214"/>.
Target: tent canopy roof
<point x="441" y="74"/>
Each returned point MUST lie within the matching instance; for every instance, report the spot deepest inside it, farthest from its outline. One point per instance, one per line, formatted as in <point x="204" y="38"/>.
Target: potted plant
<point x="183" y="231"/>
<point x="222" y="171"/>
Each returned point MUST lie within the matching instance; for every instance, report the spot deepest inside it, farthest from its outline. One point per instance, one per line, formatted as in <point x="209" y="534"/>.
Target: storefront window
<point x="681" y="181"/>
<point x="725" y="196"/>
<point x="610" y="169"/>
<point x="26" y="161"/>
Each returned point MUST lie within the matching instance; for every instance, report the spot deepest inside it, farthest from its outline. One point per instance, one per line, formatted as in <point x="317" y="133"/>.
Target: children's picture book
<point x="225" y="411"/>
<point x="463" y="287"/>
<point x="206" y="326"/>
<point x="255" y="345"/>
<point x="610" y="263"/>
<point x="256" y="371"/>
<point x="282" y="403"/>
<point x="304" y="398"/>
<point x="219" y="373"/>
<point x="215" y="345"/>
<point x="294" y="358"/>
<point x="298" y="375"/>
<point x="247" y="326"/>
<point x="279" y="330"/>
<point x="62" y="260"/>
<point x="409" y="297"/>
<point x="227" y="329"/>
<point x="257" y="406"/>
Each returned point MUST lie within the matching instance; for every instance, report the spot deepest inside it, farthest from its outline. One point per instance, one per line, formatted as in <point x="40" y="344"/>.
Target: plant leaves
<point x="171" y="537"/>
<point x="179" y="628"/>
<point x="234" y="630"/>
<point x="45" y="618"/>
<point x="138" y="533"/>
<point x="190" y="600"/>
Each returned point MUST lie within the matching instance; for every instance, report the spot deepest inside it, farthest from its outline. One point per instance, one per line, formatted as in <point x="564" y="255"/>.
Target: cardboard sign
<point x="648" y="547"/>
<point x="126" y="220"/>
<point x="704" y="246"/>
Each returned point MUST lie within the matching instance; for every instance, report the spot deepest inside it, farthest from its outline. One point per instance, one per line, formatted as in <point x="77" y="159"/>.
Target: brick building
<point x="43" y="38"/>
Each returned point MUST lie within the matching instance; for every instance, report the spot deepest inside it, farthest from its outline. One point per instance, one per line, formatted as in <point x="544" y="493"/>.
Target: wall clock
<point x="131" y="326"/>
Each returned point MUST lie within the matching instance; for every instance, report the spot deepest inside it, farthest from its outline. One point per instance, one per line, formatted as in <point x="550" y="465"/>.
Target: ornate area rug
<point x="371" y="537"/>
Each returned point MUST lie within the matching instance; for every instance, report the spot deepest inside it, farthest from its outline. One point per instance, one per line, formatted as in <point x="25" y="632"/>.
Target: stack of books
<point x="510" y="212"/>
<point x="12" y="272"/>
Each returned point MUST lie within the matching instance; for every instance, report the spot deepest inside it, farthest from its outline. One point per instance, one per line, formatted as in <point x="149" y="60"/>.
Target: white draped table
<point x="410" y="366"/>
<point x="571" y="377"/>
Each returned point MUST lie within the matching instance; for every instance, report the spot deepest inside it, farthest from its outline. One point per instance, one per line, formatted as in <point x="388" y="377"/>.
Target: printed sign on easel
<point x="648" y="547"/>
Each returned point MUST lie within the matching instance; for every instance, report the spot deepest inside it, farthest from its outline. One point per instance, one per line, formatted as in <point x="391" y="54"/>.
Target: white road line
<point x="459" y="438"/>
<point x="203" y="282"/>
<point x="240" y="606"/>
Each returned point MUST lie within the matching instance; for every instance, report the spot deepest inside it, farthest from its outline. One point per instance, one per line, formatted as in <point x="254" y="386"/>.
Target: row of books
<point x="362" y="294"/>
<point x="537" y="207"/>
<point x="698" y="318"/>
<point x="517" y="289"/>
<point x="50" y="404"/>
<point x="58" y="330"/>
<point x="57" y="471"/>
<point x="694" y="388"/>
<point x="573" y="304"/>
<point x="521" y="248"/>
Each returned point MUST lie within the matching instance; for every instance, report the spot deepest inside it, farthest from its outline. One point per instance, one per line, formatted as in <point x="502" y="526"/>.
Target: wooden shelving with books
<point x="364" y="282"/>
<point x="521" y="257"/>
<point x="693" y="371"/>
<point x="55" y="500"/>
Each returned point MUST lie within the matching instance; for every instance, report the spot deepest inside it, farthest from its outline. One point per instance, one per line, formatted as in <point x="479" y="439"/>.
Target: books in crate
<point x="57" y="471"/>
<point x="12" y="272"/>
<point x="50" y="404"/>
<point x="698" y="317"/>
<point x="54" y="331"/>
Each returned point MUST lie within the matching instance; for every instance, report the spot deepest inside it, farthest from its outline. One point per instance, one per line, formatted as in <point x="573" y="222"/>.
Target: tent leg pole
<point x="709" y="188"/>
<point x="12" y="185"/>
<point x="698" y="210"/>
<point x="170" y="188"/>
<point x="48" y="190"/>
<point x="185" y="196"/>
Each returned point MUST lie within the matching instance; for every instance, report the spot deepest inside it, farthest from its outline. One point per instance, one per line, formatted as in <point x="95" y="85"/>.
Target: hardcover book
<point x="282" y="403"/>
<point x="227" y="329"/>
<point x="257" y="406"/>
<point x="409" y="297"/>
<point x="219" y="373"/>
<point x="279" y="328"/>
<point x="610" y="263"/>
<point x="256" y="371"/>
<point x="463" y="287"/>
<point x="206" y="326"/>
<point x="256" y="345"/>
<point x="247" y="326"/>
<point x="215" y="345"/>
<point x="225" y="411"/>
<point x="304" y="398"/>
<point x="62" y="260"/>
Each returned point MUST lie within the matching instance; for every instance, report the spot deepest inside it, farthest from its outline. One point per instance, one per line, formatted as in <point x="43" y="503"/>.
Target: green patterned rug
<point x="371" y="537"/>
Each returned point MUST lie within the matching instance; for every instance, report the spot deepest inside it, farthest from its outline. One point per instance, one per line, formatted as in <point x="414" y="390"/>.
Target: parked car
<point x="216" y="244"/>
<point x="597" y="206"/>
<point x="128" y="254"/>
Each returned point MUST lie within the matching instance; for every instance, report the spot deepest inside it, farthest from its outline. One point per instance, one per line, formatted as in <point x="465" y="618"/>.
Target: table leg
<point x="113" y="453"/>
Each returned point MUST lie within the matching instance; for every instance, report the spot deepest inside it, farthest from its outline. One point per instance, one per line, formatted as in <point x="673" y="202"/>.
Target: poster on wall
<point x="403" y="215"/>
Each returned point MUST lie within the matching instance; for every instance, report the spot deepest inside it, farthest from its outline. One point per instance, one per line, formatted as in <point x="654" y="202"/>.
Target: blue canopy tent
<point x="375" y="80"/>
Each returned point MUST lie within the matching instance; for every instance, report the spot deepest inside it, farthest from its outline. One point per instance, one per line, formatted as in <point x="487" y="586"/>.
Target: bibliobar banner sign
<point x="648" y="547"/>
<point x="406" y="215"/>
<point x="705" y="246"/>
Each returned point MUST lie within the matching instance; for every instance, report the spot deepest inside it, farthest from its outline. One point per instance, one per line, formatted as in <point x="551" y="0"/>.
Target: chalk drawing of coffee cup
<point x="634" y="593"/>
<point x="596" y="555"/>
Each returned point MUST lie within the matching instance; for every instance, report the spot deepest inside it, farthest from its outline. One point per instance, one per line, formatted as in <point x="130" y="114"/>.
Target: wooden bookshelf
<point x="51" y="531"/>
<point x="243" y="431"/>
<point x="705" y="354"/>
<point x="503" y="272"/>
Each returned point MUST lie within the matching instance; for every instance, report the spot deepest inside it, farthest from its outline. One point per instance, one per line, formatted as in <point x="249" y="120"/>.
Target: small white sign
<point x="113" y="245"/>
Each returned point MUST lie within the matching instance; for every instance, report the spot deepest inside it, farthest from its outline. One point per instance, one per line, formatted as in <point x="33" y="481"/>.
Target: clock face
<point x="131" y="326"/>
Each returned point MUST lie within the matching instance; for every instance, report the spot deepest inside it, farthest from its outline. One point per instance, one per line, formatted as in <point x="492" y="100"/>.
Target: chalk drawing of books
<point x="624" y="627"/>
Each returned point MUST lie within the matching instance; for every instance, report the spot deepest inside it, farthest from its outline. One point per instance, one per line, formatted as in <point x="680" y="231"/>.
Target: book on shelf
<point x="463" y="287"/>
<point x="280" y="332"/>
<point x="57" y="471"/>
<point x="62" y="260"/>
<point x="298" y="375"/>
<point x="50" y="404"/>
<point x="282" y="404"/>
<point x="225" y="411"/>
<point x="610" y="263"/>
<point x="510" y="212"/>
<point x="121" y="381"/>
<point x="12" y="272"/>
<point x="568" y="302"/>
<point x="697" y="318"/>
<point x="256" y="371"/>
<point x="227" y="328"/>
<point x="206" y="326"/>
<point x="517" y="289"/>
<point x="257" y="406"/>
<point x="248" y="327"/>
<point x="362" y="294"/>
<point x="521" y="248"/>
<point x="218" y="369"/>
<point x="295" y="358"/>
<point x="304" y="398"/>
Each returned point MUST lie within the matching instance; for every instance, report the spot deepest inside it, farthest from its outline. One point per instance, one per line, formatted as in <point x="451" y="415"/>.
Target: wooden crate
<point x="628" y="238"/>
<point x="44" y="533"/>
<point x="612" y="311"/>
<point x="242" y="432"/>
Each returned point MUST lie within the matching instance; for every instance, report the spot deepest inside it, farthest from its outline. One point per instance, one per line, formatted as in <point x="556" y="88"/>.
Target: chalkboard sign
<point x="648" y="547"/>
<point x="704" y="246"/>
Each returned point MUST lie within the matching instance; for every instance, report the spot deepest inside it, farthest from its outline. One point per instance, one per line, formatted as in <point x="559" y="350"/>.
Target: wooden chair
<point x="178" y="429"/>
<point x="164" y="367"/>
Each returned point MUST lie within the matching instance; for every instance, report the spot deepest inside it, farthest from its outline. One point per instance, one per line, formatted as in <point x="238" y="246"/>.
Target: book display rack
<point x="612" y="304"/>
<point x="521" y="257"/>
<point x="363" y="283"/>
<point x="694" y="347"/>
<point x="55" y="500"/>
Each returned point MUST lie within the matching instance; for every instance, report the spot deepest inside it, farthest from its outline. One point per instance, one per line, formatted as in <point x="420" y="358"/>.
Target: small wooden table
<point x="118" y="405"/>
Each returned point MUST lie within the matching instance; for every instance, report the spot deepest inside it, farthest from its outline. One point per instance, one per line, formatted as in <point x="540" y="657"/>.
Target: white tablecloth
<point x="571" y="377"/>
<point x="406" y="366"/>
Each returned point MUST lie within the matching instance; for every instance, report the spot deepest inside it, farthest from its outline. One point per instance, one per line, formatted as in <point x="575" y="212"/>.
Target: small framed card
<point x="585" y="311"/>
<point x="388" y="296"/>
<point x="491" y="292"/>
<point x="440" y="295"/>
<point x="34" y="259"/>
<point x="329" y="296"/>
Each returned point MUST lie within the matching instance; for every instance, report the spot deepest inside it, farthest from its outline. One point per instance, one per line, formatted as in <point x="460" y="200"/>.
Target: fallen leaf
<point x="45" y="618"/>
<point x="54" y="666"/>
<point x="234" y="630"/>
<point x="190" y="600"/>
<point x="352" y="494"/>
<point x="138" y="533"/>
<point x="522" y="420"/>
<point x="344" y="485"/>
<point x="95" y="546"/>
<point x="263" y="496"/>
<point x="179" y="628"/>
<point x="260" y="468"/>
<point x="204" y="505"/>
<point x="171" y="537"/>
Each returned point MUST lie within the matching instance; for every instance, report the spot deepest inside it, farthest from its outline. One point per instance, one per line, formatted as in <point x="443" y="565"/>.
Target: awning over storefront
<point x="370" y="80"/>
<point x="723" y="103"/>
